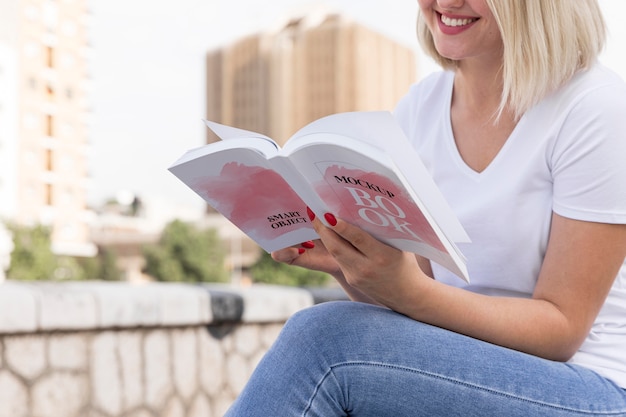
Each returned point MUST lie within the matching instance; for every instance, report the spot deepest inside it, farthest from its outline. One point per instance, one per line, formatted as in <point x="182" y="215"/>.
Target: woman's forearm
<point x="533" y="326"/>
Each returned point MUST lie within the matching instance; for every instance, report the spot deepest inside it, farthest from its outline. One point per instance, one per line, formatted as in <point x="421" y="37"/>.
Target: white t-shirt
<point x="568" y="155"/>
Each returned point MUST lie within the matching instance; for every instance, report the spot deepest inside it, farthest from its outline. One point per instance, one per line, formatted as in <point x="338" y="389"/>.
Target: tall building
<point x="276" y="82"/>
<point x="44" y="83"/>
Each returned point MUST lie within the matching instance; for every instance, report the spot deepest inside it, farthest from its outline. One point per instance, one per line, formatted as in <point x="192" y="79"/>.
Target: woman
<point x="525" y="134"/>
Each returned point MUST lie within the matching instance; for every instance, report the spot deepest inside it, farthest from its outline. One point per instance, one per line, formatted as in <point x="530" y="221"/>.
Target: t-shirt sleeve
<point x="588" y="161"/>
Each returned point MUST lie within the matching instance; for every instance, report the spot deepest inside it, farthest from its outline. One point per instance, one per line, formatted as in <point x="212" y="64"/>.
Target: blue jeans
<point x="353" y="359"/>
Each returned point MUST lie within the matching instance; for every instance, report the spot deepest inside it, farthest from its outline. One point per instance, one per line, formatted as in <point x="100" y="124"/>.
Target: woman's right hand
<point x="313" y="255"/>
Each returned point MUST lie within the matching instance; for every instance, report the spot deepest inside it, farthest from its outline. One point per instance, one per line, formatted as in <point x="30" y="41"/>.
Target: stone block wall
<point x="97" y="349"/>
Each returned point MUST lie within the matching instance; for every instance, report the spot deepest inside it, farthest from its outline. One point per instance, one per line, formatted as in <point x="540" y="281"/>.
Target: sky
<point x="148" y="87"/>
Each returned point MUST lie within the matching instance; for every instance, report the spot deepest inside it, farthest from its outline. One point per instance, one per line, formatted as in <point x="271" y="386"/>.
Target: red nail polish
<point x="308" y="244"/>
<point x="330" y="219"/>
<point x="310" y="214"/>
<point x="301" y="251"/>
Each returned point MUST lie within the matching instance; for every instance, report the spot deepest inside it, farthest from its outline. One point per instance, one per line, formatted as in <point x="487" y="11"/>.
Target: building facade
<point x="44" y="115"/>
<point x="277" y="82"/>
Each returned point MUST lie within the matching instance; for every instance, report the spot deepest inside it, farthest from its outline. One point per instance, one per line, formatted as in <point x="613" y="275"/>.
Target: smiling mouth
<point x="455" y="22"/>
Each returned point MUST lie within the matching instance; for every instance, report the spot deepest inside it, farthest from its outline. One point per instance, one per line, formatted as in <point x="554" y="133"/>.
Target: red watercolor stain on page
<point x="375" y="203"/>
<point x="249" y="195"/>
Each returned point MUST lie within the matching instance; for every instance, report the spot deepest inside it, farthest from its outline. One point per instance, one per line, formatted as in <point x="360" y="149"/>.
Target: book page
<point x="258" y="145"/>
<point x="228" y="132"/>
<point x="241" y="185"/>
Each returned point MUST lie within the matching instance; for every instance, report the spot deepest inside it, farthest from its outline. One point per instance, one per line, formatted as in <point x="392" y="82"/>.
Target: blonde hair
<point x="545" y="43"/>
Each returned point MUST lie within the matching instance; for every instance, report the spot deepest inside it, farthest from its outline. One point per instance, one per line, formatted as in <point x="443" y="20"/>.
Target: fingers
<point x="290" y="255"/>
<point x="325" y="234"/>
<point x="308" y="244"/>
<point x="287" y="255"/>
<point x="340" y="238"/>
<point x="341" y="232"/>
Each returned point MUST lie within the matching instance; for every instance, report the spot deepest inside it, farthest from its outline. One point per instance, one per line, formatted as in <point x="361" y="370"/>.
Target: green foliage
<point x="186" y="254"/>
<point x="32" y="258"/>
<point x="107" y="266"/>
<point x="68" y="269"/>
<point x="102" y="267"/>
<point x="268" y="271"/>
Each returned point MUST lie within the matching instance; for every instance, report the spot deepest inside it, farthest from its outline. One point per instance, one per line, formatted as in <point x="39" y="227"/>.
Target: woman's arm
<point x="579" y="268"/>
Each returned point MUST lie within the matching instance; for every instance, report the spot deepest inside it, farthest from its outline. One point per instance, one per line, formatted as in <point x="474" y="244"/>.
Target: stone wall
<point x="97" y="349"/>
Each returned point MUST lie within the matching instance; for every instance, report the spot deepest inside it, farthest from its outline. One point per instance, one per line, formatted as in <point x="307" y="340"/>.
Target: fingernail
<point x="310" y="213"/>
<point x="308" y="244"/>
<point x="330" y="219"/>
<point x="301" y="251"/>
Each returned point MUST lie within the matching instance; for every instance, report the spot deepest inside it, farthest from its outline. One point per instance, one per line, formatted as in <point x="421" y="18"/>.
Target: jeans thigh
<point x="392" y="365"/>
<point x="382" y="389"/>
<point x="353" y="359"/>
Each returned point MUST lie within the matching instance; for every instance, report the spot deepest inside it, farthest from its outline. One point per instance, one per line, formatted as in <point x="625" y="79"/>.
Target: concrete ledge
<point x="258" y="303"/>
<point x="18" y="309"/>
<point x="63" y="306"/>
<point x="75" y="349"/>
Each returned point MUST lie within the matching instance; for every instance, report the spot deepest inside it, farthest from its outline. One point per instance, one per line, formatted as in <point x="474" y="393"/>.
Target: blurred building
<point x="44" y="111"/>
<point x="124" y="233"/>
<point x="277" y="82"/>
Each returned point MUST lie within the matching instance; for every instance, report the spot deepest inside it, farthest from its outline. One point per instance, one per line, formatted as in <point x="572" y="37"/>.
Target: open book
<point x="358" y="166"/>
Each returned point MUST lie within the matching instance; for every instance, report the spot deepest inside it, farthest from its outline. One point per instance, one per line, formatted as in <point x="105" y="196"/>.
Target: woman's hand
<point x="372" y="268"/>
<point x="367" y="269"/>
<point x="313" y="255"/>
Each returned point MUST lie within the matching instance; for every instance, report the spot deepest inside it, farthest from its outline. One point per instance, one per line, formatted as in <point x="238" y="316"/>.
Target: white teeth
<point x="455" y="22"/>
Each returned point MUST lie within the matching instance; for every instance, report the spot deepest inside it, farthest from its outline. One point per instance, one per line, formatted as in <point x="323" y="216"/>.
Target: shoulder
<point x="592" y="101"/>
<point x="598" y="76"/>
<point x="434" y="90"/>
<point x="597" y="88"/>
<point x="587" y="147"/>
<point x="432" y="86"/>
<point x="596" y="97"/>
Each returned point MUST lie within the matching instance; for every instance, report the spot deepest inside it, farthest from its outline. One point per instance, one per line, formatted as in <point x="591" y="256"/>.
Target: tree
<point x="107" y="266"/>
<point x="102" y="267"/>
<point x="32" y="258"/>
<point x="186" y="254"/>
<point x="268" y="271"/>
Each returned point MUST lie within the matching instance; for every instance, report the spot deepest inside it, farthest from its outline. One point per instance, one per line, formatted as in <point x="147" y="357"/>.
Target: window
<point x="48" y="194"/>
<point x="49" y="125"/>
<point x="49" y="160"/>
<point x="49" y="51"/>
<point x="49" y="92"/>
